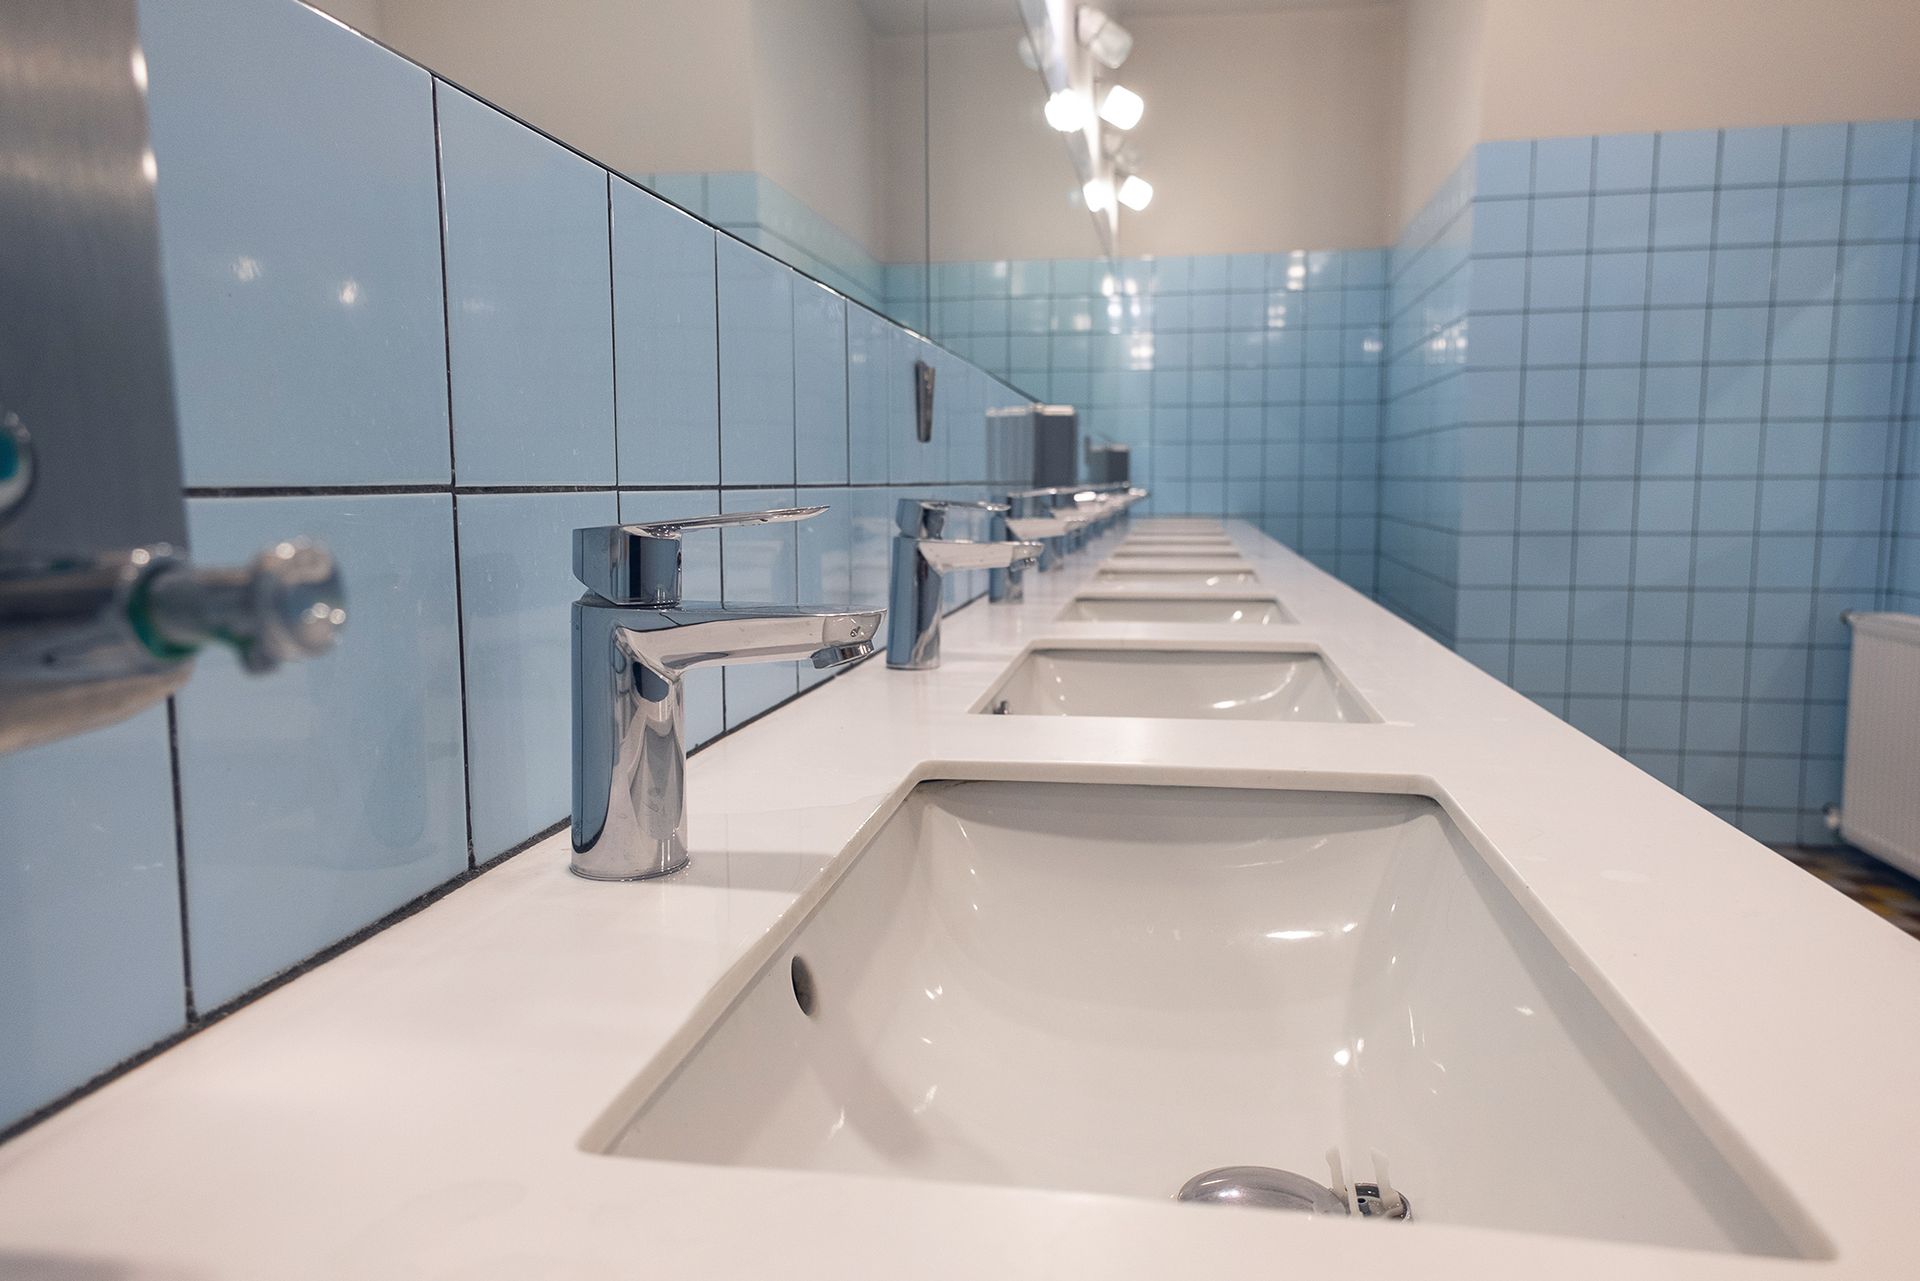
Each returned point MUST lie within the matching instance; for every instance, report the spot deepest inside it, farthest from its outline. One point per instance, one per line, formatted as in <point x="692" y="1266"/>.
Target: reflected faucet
<point x="633" y="641"/>
<point x="920" y="559"/>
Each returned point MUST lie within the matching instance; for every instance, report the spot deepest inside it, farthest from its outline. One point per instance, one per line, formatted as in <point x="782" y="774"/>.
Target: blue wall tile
<point x="529" y="321"/>
<point x="300" y="237"/>
<point x="824" y="559"/>
<point x="320" y="800"/>
<point x="516" y="592"/>
<point x="819" y="384"/>
<point x="666" y="338"/>
<point x="90" y="962"/>
<point x="760" y="566"/>
<point x="700" y="581"/>
<point x="756" y="368"/>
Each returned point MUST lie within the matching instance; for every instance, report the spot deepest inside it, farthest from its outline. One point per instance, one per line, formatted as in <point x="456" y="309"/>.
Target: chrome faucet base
<point x="667" y="869"/>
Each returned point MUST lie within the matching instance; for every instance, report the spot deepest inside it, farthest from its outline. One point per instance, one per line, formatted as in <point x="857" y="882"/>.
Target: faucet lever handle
<point x="640" y="564"/>
<point x="927" y="517"/>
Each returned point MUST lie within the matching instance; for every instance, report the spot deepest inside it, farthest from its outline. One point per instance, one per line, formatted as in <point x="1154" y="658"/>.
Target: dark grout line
<point x="179" y="855"/>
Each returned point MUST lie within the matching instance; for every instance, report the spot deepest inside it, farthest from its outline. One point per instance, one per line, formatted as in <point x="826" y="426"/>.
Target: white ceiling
<point x="904" y="16"/>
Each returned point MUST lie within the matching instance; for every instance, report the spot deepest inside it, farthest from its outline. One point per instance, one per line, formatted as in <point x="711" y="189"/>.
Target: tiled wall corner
<point x="1244" y="385"/>
<point x="1684" y="388"/>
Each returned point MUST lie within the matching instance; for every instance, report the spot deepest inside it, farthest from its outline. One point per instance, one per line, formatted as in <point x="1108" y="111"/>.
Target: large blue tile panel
<point x="867" y="402"/>
<point x="90" y="967"/>
<point x="516" y="592"/>
<point x="756" y="367"/>
<point x="320" y="800"/>
<point x="819" y="383"/>
<point x="909" y="461"/>
<point x="760" y="567"/>
<point x="301" y="242"/>
<point x="666" y="343"/>
<point x="825" y="558"/>
<point x="529" y="306"/>
<point x="699" y="581"/>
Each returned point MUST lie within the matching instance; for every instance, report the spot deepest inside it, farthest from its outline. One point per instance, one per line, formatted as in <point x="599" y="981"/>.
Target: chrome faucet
<point x="920" y="558"/>
<point x="1028" y="518"/>
<point x="633" y="640"/>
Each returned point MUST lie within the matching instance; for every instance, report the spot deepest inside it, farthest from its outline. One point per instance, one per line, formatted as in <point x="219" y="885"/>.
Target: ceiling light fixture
<point x="1098" y="193"/>
<point x="1067" y="111"/>
<point x="1136" y="193"/>
<point x="1122" y="107"/>
<point x="1105" y="39"/>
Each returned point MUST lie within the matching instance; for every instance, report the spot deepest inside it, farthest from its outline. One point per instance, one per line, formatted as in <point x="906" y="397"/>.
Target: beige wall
<point x="1262" y="131"/>
<point x="660" y="86"/>
<point x="1484" y="69"/>
<point x="813" y="109"/>
<point x="1569" y="67"/>
<point x="1281" y="129"/>
<point x="1440" y="105"/>
<point x="1001" y="181"/>
<point x="782" y="87"/>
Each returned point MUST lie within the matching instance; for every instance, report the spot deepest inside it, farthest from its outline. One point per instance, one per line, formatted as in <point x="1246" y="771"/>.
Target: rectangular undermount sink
<point x="1110" y="988"/>
<point x="1257" y="610"/>
<point x="1164" y="573"/>
<point x="1264" y="685"/>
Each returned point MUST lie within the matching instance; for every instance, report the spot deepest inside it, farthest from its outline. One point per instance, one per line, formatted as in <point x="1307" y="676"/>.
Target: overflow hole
<point x="802" y="986"/>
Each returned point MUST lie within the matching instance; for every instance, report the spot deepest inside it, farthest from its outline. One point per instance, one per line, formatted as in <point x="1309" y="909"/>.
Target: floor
<point x="1874" y="885"/>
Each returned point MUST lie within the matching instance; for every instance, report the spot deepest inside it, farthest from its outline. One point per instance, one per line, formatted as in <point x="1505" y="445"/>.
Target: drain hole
<point x="802" y="986"/>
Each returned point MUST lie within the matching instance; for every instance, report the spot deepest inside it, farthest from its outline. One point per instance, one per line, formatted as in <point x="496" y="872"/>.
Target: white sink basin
<point x="1111" y="988"/>
<point x="1175" y="609"/>
<point x="1277" y="685"/>
<point x="1163" y="573"/>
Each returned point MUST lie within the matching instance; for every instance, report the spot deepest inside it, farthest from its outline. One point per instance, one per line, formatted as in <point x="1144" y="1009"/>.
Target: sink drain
<point x="1267" y="1188"/>
<point x="1262" y="1186"/>
<point x="802" y="985"/>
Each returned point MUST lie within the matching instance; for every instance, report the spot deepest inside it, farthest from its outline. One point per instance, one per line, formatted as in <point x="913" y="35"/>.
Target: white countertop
<point x="416" y="1107"/>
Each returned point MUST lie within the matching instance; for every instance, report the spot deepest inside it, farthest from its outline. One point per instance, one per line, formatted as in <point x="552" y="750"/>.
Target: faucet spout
<point x="914" y="606"/>
<point x="694" y="635"/>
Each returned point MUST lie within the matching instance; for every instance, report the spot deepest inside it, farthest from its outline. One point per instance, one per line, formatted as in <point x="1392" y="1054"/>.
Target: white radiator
<point x="1880" y="796"/>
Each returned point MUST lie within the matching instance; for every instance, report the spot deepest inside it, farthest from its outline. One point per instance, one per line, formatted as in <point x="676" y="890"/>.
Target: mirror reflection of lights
<point x="1121" y="107"/>
<point x="1067" y="111"/>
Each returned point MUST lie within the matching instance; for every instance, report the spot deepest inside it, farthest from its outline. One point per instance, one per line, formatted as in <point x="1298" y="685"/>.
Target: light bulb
<point x="1098" y="193"/>
<point x="1067" y="111"/>
<point x="1122" y="107"/>
<point x="1104" y="38"/>
<point x="1136" y="193"/>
